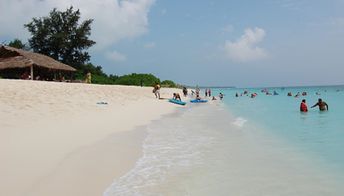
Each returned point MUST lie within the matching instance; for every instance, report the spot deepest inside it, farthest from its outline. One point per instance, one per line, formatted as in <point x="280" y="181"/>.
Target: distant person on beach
<point x="198" y="97"/>
<point x="209" y="92"/>
<point x="206" y="92"/>
<point x="88" y="78"/>
<point x="213" y="98"/>
<point x="236" y="95"/>
<point x="321" y="104"/>
<point x="197" y="91"/>
<point x="303" y="106"/>
<point x="25" y="76"/>
<point x="156" y="90"/>
<point x="176" y="96"/>
<point x="185" y="91"/>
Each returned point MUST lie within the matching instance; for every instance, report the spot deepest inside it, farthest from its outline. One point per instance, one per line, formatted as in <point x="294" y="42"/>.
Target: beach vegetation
<point x="138" y="79"/>
<point x="62" y="36"/>
<point x="17" y="43"/>
<point x="168" y="83"/>
<point x="98" y="75"/>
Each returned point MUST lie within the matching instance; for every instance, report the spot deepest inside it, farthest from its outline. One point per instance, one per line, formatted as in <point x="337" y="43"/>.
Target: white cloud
<point x="114" y="20"/>
<point x="245" y="49"/>
<point x="149" y="45"/>
<point x="115" y="56"/>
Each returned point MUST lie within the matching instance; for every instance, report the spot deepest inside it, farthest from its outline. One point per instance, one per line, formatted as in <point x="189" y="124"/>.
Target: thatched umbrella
<point x="16" y="58"/>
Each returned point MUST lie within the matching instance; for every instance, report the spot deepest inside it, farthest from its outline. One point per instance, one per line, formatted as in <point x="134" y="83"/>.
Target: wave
<point x="170" y="147"/>
<point x="239" y="122"/>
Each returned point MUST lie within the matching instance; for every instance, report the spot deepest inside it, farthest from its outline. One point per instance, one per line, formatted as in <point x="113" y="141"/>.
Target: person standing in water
<point x="321" y="104"/>
<point x="303" y="106"/>
<point x="221" y="96"/>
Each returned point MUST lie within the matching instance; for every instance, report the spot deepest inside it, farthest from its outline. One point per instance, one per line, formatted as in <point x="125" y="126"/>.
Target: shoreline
<point x="200" y="151"/>
<point x="56" y="140"/>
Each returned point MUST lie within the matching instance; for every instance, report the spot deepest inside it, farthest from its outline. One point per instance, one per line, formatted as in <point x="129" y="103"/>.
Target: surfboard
<point x="177" y="101"/>
<point x="199" y="101"/>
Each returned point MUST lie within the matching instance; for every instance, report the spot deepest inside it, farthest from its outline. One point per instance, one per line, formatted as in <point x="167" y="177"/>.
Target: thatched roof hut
<point x="16" y="58"/>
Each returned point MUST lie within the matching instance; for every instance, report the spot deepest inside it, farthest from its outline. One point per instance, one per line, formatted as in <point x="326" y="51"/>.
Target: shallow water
<point x="320" y="134"/>
<point x="205" y="150"/>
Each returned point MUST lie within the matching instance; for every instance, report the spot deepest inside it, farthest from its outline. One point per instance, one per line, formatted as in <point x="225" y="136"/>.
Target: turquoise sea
<point x="243" y="146"/>
<point x="320" y="134"/>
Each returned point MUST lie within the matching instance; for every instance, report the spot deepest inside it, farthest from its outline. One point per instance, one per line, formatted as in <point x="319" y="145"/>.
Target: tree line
<point x="62" y="36"/>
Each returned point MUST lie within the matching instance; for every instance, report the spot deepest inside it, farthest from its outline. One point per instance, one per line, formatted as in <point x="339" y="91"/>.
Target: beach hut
<point x="13" y="58"/>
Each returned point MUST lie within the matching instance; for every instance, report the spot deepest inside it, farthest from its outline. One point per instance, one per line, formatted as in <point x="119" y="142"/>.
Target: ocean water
<point x="243" y="146"/>
<point x="320" y="134"/>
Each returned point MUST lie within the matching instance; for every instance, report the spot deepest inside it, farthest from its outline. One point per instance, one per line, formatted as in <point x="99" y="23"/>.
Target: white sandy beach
<point x="56" y="140"/>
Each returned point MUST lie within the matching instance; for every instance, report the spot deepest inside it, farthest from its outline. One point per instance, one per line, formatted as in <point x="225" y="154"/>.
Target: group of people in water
<point x="323" y="106"/>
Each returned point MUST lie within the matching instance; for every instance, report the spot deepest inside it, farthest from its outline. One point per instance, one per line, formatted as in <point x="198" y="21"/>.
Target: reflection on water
<point x="322" y="120"/>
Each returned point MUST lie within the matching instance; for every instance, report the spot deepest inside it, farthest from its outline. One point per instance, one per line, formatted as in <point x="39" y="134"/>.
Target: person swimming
<point x="321" y="104"/>
<point x="303" y="106"/>
<point x="297" y="95"/>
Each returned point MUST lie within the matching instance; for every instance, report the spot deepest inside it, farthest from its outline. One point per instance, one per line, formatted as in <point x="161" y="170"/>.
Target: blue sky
<point x="209" y="42"/>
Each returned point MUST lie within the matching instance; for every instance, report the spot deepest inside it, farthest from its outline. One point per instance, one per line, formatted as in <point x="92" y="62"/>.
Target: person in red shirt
<point x="303" y="106"/>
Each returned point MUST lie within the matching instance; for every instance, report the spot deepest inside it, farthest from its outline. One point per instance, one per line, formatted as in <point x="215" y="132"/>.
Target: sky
<point x="240" y="43"/>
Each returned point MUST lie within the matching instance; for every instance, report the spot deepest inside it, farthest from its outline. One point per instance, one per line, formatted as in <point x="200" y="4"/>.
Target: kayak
<point x="177" y="101"/>
<point x="199" y="101"/>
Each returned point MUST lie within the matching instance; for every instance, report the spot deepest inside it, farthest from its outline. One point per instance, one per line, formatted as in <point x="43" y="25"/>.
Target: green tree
<point x="17" y="43"/>
<point x="62" y="37"/>
<point x="98" y="75"/>
<point x="168" y="83"/>
<point x="138" y="79"/>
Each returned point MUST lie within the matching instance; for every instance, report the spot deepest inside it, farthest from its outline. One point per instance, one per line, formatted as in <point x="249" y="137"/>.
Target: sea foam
<point x="239" y="122"/>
